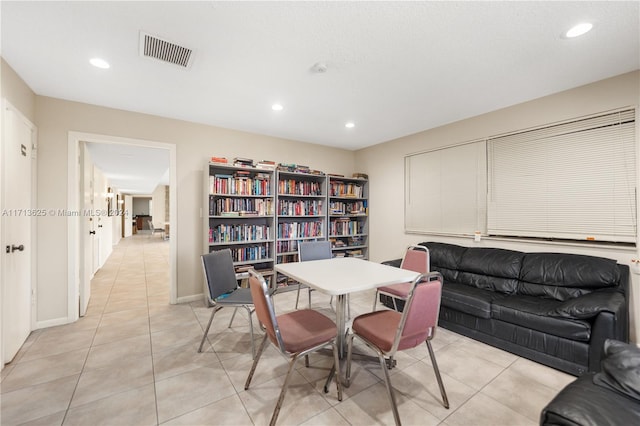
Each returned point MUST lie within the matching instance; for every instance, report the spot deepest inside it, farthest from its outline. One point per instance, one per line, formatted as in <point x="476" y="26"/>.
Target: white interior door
<point x="17" y="218"/>
<point x="86" y="241"/>
<point x="128" y="218"/>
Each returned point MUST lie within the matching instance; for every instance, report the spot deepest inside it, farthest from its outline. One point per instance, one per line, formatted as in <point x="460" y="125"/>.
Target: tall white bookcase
<point x="240" y="215"/>
<point x="348" y="213"/>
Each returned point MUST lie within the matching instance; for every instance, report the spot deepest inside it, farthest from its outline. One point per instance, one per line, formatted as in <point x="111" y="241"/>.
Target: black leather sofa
<point x="610" y="397"/>
<point x="553" y="308"/>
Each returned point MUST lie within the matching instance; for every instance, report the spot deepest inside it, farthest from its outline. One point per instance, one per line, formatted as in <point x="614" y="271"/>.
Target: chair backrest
<point x="219" y="273"/>
<point x="265" y="311"/>
<point x="416" y="259"/>
<point x="314" y="250"/>
<point x="420" y="315"/>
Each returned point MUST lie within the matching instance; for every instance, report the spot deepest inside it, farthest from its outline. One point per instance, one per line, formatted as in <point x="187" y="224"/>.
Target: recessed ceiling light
<point x="277" y="107"/>
<point x="99" y="63"/>
<point x="350" y="125"/>
<point x="579" y="30"/>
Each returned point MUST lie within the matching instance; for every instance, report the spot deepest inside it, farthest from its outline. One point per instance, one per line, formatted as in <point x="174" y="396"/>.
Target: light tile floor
<point x="133" y="360"/>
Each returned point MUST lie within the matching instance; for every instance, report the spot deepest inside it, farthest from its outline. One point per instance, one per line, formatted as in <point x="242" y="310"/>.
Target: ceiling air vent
<point x="157" y="48"/>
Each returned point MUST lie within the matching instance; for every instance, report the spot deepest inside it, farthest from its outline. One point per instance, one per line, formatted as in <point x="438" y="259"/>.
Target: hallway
<point x="133" y="360"/>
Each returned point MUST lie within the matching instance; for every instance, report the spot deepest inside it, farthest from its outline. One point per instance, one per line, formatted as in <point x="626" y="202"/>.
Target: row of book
<point x="265" y="164"/>
<point x="299" y="187"/>
<point x="346" y="189"/>
<point x="259" y="184"/>
<point x="300" y="230"/>
<point x="239" y="232"/>
<point x="240" y="206"/>
<point x="342" y="243"/>
<point x="298" y="168"/>
<point x="299" y="207"/>
<point x="349" y="207"/>
<point x="346" y="227"/>
<point x="287" y="246"/>
<point x="350" y="253"/>
<point x="249" y="253"/>
<point x="239" y="162"/>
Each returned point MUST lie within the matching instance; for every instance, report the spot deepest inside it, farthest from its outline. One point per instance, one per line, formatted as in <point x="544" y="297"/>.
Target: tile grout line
<point x="75" y="389"/>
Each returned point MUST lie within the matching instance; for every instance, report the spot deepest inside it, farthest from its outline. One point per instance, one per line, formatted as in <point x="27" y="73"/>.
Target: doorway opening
<point x="119" y="194"/>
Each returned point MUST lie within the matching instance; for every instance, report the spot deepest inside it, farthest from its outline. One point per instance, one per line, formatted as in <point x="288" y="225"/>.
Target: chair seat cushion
<point x="396" y="290"/>
<point x="305" y="329"/>
<point x="378" y="327"/>
<point x="240" y="296"/>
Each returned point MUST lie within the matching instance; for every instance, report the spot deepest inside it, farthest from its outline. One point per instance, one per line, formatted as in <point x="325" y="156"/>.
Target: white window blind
<point x="574" y="180"/>
<point x="445" y="190"/>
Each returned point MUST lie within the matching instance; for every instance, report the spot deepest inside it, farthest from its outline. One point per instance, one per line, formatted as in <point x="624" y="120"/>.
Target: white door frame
<point x="73" y="197"/>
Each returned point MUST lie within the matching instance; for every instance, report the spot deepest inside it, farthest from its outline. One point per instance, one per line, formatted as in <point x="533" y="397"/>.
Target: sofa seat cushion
<point x="531" y="312"/>
<point x="467" y="299"/>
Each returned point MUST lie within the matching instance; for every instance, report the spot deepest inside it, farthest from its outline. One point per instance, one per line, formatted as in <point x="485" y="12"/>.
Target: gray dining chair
<point x="223" y="289"/>
<point x="312" y="250"/>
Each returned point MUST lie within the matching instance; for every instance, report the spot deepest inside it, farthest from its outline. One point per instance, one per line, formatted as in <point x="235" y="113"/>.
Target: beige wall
<point x="195" y="144"/>
<point x="17" y="91"/>
<point x="385" y="165"/>
<point x="158" y="214"/>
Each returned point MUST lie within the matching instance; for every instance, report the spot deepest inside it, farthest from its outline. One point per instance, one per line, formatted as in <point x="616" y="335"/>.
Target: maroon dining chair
<point x="295" y="334"/>
<point x="387" y="332"/>
<point x="416" y="259"/>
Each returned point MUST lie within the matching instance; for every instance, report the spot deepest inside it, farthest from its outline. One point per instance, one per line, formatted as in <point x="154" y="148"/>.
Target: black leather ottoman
<point x="610" y="397"/>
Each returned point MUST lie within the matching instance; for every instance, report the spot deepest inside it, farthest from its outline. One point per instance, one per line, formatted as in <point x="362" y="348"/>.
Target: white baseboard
<point x="189" y="299"/>
<point x="52" y="323"/>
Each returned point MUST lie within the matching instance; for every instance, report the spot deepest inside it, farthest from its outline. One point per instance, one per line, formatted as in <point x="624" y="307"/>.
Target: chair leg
<point x="375" y="302"/>
<point x="347" y="381"/>
<point x="445" y="400"/>
<point x="255" y="361"/>
<point x="309" y="293"/>
<point x="206" y="331"/>
<point x="283" y="392"/>
<point x="253" y="344"/>
<point x="336" y="361"/>
<point x="335" y="372"/>
<point x="298" y="296"/>
<point x="233" y="316"/>
<point x="392" y="399"/>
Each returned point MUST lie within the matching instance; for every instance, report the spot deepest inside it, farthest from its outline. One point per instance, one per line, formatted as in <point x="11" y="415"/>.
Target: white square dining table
<point x="340" y="276"/>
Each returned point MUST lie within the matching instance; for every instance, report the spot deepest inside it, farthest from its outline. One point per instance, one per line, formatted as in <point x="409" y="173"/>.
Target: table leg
<point x="341" y="324"/>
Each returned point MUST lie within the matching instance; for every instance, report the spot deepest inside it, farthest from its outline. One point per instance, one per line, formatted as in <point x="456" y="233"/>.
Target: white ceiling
<point x="131" y="169"/>
<point x="393" y="68"/>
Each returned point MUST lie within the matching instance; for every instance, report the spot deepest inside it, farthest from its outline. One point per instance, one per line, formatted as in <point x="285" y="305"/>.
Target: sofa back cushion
<point x="491" y="269"/>
<point x="564" y="276"/>
<point x="444" y="258"/>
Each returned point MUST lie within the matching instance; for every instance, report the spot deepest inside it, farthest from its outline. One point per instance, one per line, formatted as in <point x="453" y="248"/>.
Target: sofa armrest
<point x="591" y="305"/>
<point x="608" y="311"/>
<point x="394" y="262"/>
